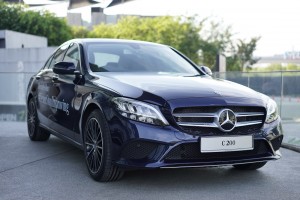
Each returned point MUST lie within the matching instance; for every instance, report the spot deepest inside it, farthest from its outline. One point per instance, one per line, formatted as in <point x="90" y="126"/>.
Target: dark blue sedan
<point x="132" y="105"/>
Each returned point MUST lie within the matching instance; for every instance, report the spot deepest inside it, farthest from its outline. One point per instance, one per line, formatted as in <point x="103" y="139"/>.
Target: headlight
<point x="272" y="112"/>
<point x="139" y="111"/>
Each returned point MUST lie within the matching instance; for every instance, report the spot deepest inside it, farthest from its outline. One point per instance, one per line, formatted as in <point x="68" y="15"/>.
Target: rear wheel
<point x="35" y="132"/>
<point x="98" y="149"/>
<point x="251" y="166"/>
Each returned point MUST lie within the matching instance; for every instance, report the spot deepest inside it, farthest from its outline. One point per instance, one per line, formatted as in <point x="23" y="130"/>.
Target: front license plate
<point x="227" y="143"/>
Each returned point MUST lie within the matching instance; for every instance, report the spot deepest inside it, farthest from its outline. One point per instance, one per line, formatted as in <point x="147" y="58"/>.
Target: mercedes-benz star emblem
<point x="226" y="120"/>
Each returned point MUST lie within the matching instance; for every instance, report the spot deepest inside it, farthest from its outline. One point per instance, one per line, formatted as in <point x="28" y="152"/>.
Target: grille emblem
<point x="226" y="120"/>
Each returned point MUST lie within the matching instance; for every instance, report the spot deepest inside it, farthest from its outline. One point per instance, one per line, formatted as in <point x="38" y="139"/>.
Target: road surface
<point x="56" y="170"/>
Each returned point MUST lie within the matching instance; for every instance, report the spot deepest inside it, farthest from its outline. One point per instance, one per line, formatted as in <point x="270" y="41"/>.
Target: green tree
<point x="242" y="58"/>
<point x="180" y="33"/>
<point x="79" y="32"/>
<point x="15" y="17"/>
<point x="277" y="67"/>
<point x="215" y="39"/>
<point x="10" y="15"/>
<point x="201" y="41"/>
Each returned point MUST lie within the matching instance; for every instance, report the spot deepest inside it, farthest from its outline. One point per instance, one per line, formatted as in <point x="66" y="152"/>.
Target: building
<point x="12" y="39"/>
<point x="21" y="55"/>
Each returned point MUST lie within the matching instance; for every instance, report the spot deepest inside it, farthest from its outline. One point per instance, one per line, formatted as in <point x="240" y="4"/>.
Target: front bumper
<point x="139" y="145"/>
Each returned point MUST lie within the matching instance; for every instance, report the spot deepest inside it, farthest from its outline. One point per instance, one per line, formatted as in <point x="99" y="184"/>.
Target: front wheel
<point x="250" y="166"/>
<point x="35" y="132"/>
<point x="98" y="149"/>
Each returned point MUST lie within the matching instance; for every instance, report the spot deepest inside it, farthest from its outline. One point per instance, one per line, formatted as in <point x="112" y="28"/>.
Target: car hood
<point x="172" y="87"/>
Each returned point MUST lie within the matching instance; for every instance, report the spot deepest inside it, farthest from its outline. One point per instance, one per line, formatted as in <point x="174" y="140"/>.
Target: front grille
<point x="191" y="152"/>
<point x="203" y="120"/>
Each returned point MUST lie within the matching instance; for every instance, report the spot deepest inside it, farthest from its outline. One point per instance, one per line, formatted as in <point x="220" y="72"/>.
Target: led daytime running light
<point x="139" y="111"/>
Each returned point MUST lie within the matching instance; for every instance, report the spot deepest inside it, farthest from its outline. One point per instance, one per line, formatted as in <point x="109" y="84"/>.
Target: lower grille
<point x="143" y="150"/>
<point x="276" y="143"/>
<point x="204" y="120"/>
<point x="191" y="152"/>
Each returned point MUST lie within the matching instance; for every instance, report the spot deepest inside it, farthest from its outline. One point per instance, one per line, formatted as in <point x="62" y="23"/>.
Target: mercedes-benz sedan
<point x="132" y="104"/>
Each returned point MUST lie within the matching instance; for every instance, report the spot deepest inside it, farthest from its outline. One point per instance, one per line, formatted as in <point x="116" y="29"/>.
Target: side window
<point x="59" y="55"/>
<point x="72" y="55"/>
<point x="48" y="62"/>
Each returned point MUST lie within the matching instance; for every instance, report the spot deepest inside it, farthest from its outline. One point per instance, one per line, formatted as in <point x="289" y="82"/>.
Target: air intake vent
<point x="191" y="152"/>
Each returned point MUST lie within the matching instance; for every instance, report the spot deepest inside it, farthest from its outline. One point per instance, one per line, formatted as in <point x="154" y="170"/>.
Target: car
<point x="139" y="105"/>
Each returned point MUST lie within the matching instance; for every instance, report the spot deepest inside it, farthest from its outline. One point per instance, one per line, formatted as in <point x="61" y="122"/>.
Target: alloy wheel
<point x="31" y="118"/>
<point x="93" y="145"/>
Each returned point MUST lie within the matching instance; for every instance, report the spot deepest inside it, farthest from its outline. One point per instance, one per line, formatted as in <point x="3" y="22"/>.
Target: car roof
<point x="108" y="40"/>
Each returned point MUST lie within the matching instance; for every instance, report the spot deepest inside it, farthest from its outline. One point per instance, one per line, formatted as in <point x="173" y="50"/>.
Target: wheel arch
<point x="29" y="97"/>
<point x="89" y="108"/>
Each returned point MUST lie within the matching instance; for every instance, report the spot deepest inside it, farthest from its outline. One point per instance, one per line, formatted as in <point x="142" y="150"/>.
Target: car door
<point x="65" y="87"/>
<point x="46" y="106"/>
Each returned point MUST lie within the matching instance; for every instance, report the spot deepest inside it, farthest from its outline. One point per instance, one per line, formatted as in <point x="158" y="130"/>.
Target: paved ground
<point x="292" y="134"/>
<point x="56" y="170"/>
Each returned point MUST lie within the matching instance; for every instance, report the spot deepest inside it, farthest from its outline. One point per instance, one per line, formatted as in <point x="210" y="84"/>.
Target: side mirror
<point x="64" y="68"/>
<point x="206" y="70"/>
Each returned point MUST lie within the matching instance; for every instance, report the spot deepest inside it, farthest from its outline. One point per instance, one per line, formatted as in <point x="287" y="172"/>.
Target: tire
<point x="251" y="166"/>
<point x="98" y="149"/>
<point x="35" y="132"/>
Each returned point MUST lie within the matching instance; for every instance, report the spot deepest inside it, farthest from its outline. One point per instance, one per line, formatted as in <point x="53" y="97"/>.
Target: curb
<point x="291" y="147"/>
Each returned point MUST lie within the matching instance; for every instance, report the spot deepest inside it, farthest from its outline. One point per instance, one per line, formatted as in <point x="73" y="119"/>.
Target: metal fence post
<point x="281" y="98"/>
<point x="248" y="79"/>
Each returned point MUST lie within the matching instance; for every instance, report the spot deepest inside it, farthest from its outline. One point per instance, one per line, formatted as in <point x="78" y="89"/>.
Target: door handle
<point x="54" y="78"/>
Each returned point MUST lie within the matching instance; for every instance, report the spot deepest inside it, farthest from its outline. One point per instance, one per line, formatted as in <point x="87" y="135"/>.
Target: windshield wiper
<point x="195" y="75"/>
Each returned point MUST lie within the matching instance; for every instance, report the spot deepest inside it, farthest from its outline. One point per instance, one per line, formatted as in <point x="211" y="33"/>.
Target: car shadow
<point x="169" y="179"/>
<point x="192" y="176"/>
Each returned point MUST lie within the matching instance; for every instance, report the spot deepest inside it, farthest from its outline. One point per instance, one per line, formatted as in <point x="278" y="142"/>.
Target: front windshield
<point x="135" y="57"/>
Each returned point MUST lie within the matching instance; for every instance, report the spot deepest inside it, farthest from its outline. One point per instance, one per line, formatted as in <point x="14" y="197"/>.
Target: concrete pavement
<point x="291" y="138"/>
<point x="56" y="170"/>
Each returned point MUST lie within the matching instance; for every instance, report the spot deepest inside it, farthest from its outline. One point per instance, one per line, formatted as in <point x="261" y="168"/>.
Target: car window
<point x="59" y="55"/>
<point x="101" y="59"/>
<point x="48" y="62"/>
<point x="132" y="57"/>
<point x="72" y="55"/>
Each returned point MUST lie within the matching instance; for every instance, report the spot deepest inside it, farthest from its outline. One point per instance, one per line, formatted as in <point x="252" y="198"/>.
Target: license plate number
<point x="226" y="143"/>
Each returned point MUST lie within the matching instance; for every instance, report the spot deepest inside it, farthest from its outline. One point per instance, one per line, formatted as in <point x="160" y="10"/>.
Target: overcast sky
<point x="276" y="21"/>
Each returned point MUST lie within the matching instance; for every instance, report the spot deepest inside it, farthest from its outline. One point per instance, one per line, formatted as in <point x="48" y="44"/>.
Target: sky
<point x="276" y="21"/>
